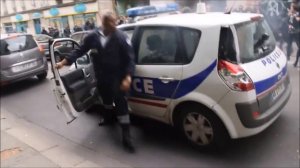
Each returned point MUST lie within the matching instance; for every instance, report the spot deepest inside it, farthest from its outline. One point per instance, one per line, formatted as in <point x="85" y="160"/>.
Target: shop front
<point x="71" y="16"/>
<point x="21" y="22"/>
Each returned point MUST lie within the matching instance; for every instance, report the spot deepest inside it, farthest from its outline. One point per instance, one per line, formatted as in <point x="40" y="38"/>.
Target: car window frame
<point x="138" y="38"/>
<point x="183" y="48"/>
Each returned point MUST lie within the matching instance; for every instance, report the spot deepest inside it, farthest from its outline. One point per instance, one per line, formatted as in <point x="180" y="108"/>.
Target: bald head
<point x="109" y="23"/>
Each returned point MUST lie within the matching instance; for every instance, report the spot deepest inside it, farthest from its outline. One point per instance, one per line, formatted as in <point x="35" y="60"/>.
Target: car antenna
<point x="230" y="9"/>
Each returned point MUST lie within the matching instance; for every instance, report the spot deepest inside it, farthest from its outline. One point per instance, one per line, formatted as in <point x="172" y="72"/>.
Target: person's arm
<point x="128" y="58"/>
<point x="75" y="54"/>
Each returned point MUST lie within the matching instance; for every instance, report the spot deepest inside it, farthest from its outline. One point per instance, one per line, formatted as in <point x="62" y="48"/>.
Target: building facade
<point x="31" y="15"/>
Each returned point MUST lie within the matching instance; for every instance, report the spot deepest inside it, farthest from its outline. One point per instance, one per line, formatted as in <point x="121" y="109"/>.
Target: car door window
<point x="158" y="45"/>
<point x="190" y="41"/>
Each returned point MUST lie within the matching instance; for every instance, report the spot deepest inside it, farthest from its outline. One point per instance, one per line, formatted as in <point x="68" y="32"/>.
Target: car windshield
<point x="255" y="39"/>
<point x="42" y="37"/>
<point x="17" y="43"/>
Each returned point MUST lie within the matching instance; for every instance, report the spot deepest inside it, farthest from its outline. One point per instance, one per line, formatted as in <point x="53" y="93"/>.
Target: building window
<point x="33" y="3"/>
<point x="5" y="7"/>
<point x="8" y="27"/>
<point x="23" y="5"/>
<point x="59" y="2"/>
<point x="14" y="5"/>
<point x="81" y="20"/>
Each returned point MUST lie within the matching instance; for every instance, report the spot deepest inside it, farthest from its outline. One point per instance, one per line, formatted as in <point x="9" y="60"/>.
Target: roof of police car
<point x="194" y="19"/>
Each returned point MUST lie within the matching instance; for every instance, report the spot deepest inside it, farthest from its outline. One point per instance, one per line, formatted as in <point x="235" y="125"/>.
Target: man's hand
<point x="125" y="84"/>
<point x="61" y="64"/>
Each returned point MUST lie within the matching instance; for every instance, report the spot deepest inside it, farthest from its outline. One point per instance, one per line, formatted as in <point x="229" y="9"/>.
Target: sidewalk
<point x="24" y="144"/>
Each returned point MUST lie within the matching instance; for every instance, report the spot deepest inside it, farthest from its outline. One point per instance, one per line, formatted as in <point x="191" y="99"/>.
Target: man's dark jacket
<point x="114" y="61"/>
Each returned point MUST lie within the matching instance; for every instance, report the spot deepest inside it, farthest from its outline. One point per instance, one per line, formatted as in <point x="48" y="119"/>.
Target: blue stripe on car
<point x="186" y="86"/>
<point x="189" y="84"/>
<point x="265" y="84"/>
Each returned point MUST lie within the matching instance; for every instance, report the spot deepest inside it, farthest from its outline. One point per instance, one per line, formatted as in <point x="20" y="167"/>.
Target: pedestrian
<point x="114" y="67"/>
<point x="67" y="31"/>
<point x="44" y="31"/>
<point x="55" y="33"/>
<point x="87" y="26"/>
<point x="77" y="28"/>
<point x="293" y="28"/>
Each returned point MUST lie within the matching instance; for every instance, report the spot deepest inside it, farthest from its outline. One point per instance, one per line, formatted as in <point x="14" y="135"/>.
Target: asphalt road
<point x="159" y="145"/>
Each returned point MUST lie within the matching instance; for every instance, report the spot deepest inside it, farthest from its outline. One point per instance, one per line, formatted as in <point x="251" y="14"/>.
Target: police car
<point x="214" y="76"/>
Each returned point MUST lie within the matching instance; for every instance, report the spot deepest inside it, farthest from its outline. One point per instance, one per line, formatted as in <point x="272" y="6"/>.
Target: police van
<point x="213" y="76"/>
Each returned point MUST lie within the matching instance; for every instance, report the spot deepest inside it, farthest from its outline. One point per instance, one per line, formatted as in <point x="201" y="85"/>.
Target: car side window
<point x="190" y="40"/>
<point x="158" y="45"/>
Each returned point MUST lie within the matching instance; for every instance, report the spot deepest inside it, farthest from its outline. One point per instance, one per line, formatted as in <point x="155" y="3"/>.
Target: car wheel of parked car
<point x="42" y="76"/>
<point x="202" y="128"/>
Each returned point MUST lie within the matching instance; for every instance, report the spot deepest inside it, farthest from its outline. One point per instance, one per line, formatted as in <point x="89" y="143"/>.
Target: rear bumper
<point x="246" y="110"/>
<point x="6" y="79"/>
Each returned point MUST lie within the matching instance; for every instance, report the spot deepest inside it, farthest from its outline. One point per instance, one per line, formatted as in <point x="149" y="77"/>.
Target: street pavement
<point x="31" y="122"/>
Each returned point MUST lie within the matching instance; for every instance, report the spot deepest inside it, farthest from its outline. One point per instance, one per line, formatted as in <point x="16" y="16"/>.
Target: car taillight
<point x="234" y="76"/>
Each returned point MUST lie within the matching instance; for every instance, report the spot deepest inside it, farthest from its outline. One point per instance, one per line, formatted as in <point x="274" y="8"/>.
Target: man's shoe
<point x="128" y="146"/>
<point x="126" y="138"/>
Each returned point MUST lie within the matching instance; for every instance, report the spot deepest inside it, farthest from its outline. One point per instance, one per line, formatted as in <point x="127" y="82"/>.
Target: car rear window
<point x="17" y="44"/>
<point x="256" y="40"/>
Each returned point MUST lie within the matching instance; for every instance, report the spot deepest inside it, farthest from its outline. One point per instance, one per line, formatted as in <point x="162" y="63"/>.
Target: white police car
<point x="211" y="75"/>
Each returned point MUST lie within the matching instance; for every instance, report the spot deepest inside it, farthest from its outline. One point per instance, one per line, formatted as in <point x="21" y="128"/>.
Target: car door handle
<point x="166" y="79"/>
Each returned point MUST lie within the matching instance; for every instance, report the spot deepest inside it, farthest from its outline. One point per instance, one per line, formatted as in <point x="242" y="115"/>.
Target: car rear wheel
<point x="202" y="128"/>
<point x="42" y="76"/>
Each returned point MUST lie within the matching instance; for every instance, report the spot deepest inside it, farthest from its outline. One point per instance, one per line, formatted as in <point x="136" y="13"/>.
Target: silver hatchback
<point x="21" y="58"/>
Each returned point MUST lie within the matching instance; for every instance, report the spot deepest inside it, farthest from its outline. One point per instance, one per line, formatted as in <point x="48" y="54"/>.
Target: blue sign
<point x="54" y="11"/>
<point x="80" y="8"/>
<point x="150" y="10"/>
<point x="19" y="17"/>
<point x="36" y="15"/>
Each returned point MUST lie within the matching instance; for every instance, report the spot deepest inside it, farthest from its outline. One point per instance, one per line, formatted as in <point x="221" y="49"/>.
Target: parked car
<point x="43" y="41"/>
<point x="20" y="58"/>
<point x="65" y="47"/>
<point x="213" y="76"/>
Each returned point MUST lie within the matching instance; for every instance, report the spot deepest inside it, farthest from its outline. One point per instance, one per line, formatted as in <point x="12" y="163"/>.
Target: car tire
<point x="42" y="76"/>
<point x="202" y="128"/>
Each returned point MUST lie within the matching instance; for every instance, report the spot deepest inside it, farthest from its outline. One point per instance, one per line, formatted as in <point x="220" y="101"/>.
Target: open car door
<point x="74" y="86"/>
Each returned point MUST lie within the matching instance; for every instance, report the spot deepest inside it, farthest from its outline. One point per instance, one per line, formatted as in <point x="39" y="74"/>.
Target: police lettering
<point x="143" y="85"/>
<point x="270" y="59"/>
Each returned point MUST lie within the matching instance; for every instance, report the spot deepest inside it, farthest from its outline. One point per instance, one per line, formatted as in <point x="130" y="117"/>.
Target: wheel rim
<point x="198" y="129"/>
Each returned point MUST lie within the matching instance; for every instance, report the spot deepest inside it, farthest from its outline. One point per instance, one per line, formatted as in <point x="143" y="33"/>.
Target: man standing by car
<point x="113" y="66"/>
